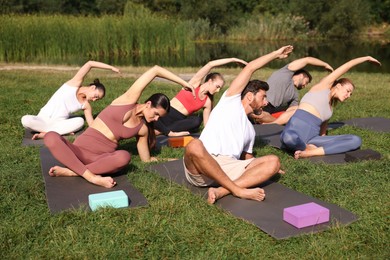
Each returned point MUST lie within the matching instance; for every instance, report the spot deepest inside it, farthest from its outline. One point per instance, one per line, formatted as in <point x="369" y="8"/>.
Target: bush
<point x="268" y="27"/>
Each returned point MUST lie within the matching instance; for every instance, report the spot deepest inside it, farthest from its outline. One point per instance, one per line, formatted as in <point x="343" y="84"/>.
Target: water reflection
<point x="333" y="52"/>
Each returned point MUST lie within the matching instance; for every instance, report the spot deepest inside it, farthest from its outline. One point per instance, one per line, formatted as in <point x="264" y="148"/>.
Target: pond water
<point x="334" y="52"/>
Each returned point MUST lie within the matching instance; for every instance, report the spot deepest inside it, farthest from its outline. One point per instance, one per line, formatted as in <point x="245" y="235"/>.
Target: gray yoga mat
<point x="64" y="193"/>
<point x="269" y="134"/>
<point x="377" y="124"/>
<point x="268" y="214"/>
<point x="27" y="141"/>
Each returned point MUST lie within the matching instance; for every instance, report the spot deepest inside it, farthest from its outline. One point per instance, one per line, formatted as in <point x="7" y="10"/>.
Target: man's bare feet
<point x="214" y="194"/>
<point x="38" y="136"/>
<point x="257" y="194"/>
<point x="61" y="171"/>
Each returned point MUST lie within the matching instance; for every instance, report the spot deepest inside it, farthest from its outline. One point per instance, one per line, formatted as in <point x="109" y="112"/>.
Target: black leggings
<point x="177" y="122"/>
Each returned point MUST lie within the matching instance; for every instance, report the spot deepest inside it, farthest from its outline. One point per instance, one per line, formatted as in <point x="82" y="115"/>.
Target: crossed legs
<point x="199" y="162"/>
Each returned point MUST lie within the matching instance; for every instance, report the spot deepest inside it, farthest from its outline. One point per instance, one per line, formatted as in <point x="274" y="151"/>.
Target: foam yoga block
<point x="305" y="215"/>
<point x="180" y="141"/>
<point x="116" y="199"/>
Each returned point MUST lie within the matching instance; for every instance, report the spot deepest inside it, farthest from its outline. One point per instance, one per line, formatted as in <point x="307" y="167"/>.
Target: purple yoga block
<point x="305" y="215"/>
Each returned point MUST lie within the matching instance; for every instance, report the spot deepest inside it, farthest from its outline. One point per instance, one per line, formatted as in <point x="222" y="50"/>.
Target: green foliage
<point x="177" y="224"/>
<point x="268" y="27"/>
<point x="59" y="36"/>
<point x="345" y="18"/>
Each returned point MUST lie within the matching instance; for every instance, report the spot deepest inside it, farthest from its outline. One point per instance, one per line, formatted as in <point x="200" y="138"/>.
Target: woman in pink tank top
<point x="178" y="122"/>
<point x="94" y="152"/>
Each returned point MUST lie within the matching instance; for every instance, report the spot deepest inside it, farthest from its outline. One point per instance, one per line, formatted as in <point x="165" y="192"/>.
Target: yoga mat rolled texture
<point x="266" y="215"/>
<point x="63" y="193"/>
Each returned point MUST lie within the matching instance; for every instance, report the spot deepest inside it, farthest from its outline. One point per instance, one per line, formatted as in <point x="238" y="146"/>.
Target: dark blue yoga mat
<point x="268" y="214"/>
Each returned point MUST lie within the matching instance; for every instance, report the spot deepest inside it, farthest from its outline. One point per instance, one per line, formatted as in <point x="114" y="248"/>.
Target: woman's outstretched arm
<point x="199" y="76"/>
<point x="132" y="95"/>
<point x="78" y="78"/>
<point x="328" y="81"/>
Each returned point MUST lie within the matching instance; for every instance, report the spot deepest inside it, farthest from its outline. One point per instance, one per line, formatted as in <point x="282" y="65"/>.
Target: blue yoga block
<point x="116" y="199"/>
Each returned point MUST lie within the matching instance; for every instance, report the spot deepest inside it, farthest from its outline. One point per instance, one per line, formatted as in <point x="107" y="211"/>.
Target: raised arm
<point x="77" y="79"/>
<point x="132" y="95"/>
<point x="243" y="78"/>
<point x="198" y="77"/>
<point x="303" y="62"/>
<point x="328" y="81"/>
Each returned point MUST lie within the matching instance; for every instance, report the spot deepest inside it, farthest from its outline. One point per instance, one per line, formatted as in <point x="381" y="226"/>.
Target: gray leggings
<point x="304" y="128"/>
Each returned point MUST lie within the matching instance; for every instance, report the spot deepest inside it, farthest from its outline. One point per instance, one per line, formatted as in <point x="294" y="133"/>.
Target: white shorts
<point x="232" y="167"/>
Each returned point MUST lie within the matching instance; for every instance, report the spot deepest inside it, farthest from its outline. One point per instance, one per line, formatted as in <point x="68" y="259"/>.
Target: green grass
<point x="178" y="224"/>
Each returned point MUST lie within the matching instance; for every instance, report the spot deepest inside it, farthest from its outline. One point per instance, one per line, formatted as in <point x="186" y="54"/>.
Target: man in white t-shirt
<point x="223" y="153"/>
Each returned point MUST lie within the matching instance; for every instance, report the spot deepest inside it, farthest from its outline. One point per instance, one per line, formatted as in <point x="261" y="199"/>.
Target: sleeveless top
<point x="113" y="115"/>
<point x="62" y="104"/>
<point x="187" y="99"/>
<point x="320" y="101"/>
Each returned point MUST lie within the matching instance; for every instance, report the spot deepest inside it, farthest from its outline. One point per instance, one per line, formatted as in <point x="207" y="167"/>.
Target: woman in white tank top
<point x="69" y="98"/>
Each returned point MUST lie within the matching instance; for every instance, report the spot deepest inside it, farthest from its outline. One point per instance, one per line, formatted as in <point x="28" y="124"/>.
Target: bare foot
<point x="257" y="194"/>
<point x="61" y="171"/>
<point x="297" y="154"/>
<point x="213" y="195"/>
<point x="106" y="182"/>
<point x="38" y="136"/>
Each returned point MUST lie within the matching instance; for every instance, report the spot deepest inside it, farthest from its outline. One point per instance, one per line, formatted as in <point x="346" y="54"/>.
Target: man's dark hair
<point x="254" y="86"/>
<point x="302" y="71"/>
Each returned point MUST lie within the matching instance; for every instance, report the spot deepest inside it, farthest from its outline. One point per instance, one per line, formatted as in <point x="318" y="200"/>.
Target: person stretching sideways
<point x="223" y="153"/>
<point x="305" y="132"/>
<point x="69" y="98"/>
<point x="178" y="122"/>
<point x="94" y="152"/>
<point x="284" y="84"/>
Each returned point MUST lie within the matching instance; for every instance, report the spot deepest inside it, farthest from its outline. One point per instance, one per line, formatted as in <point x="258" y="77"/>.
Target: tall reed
<point x="32" y="37"/>
<point x="267" y="27"/>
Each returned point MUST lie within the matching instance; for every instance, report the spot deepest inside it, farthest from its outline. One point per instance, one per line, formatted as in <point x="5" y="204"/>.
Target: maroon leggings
<point x="90" y="151"/>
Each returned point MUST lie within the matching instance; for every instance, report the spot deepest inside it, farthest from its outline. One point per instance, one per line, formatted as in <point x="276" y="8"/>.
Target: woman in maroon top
<point x="178" y="122"/>
<point x="94" y="152"/>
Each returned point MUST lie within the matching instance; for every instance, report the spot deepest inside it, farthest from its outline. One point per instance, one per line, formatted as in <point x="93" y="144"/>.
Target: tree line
<point x="331" y="18"/>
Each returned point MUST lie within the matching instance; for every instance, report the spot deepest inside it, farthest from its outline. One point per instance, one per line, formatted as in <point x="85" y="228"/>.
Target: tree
<point x="345" y="18"/>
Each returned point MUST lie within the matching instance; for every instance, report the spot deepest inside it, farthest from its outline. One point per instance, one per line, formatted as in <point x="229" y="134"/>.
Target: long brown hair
<point x="213" y="76"/>
<point x="157" y="100"/>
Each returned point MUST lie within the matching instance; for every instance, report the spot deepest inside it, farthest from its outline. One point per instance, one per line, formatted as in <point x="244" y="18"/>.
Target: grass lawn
<point x="177" y="224"/>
